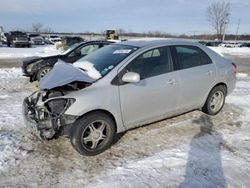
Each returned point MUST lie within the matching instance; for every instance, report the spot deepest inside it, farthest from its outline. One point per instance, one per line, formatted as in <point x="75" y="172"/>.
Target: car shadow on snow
<point x="204" y="166"/>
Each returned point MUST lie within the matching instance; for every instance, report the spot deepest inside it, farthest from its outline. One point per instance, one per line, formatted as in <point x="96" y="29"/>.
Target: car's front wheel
<point x="215" y="100"/>
<point x="42" y="72"/>
<point x="93" y="133"/>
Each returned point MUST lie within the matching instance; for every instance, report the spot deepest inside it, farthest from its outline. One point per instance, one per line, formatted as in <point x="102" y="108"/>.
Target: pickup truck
<point x="18" y="39"/>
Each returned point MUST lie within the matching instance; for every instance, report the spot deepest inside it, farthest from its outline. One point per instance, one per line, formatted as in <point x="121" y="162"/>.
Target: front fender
<point x="97" y="98"/>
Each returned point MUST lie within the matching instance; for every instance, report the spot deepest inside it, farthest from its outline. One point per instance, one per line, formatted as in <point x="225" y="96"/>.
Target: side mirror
<point x="131" y="77"/>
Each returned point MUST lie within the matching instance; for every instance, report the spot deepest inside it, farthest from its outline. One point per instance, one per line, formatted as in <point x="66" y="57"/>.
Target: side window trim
<point x="207" y="56"/>
<point x="117" y="79"/>
<point x="176" y="62"/>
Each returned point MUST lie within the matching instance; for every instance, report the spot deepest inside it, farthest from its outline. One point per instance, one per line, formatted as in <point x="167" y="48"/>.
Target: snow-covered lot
<point x="191" y="150"/>
<point x="46" y="50"/>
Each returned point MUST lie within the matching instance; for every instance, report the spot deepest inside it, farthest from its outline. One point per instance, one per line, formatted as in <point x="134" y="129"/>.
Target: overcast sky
<point x="171" y="16"/>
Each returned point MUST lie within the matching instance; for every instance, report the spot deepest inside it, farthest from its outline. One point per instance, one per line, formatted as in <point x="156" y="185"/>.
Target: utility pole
<point x="236" y="35"/>
<point x="224" y="32"/>
<point x="225" y="25"/>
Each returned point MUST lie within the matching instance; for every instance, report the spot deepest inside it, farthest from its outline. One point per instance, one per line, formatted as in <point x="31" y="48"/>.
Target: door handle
<point x="209" y="73"/>
<point x="172" y="81"/>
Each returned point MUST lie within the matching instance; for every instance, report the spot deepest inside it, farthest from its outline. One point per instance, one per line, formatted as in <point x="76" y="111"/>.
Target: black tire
<point x="81" y="130"/>
<point x="218" y="92"/>
<point x="42" y="72"/>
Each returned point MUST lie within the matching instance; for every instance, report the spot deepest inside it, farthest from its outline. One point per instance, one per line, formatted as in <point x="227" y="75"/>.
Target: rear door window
<point x="205" y="59"/>
<point x="190" y="56"/>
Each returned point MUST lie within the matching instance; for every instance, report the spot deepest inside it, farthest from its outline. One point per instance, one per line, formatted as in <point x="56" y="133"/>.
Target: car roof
<point x="154" y="42"/>
<point x="95" y="41"/>
<point x="77" y="45"/>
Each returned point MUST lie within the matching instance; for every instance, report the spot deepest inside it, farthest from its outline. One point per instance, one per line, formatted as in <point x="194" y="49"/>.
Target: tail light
<point x="234" y="67"/>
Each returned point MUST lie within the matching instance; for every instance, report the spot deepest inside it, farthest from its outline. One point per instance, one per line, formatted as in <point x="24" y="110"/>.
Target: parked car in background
<point x="69" y="41"/>
<point x="126" y="85"/>
<point x="37" y="67"/>
<point x="3" y="37"/>
<point x="17" y="39"/>
<point x="213" y="43"/>
<point x="202" y="42"/>
<point x="243" y="44"/>
<point x="52" y="39"/>
<point x="36" y="39"/>
<point x="229" y="44"/>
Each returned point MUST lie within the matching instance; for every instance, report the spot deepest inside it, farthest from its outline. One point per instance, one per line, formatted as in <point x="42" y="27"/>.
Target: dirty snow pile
<point x="10" y="148"/>
<point x="241" y="96"/>
<point x="11" y="138"/>
<point x="45" y="50"/>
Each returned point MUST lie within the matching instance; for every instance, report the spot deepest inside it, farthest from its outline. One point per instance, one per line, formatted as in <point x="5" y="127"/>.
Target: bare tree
<point x="218" y="16"/>
<point x="36" y="27"/>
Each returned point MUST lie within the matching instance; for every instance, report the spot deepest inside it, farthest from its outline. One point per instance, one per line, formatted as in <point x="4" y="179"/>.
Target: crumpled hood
<point x="62" y="74"/>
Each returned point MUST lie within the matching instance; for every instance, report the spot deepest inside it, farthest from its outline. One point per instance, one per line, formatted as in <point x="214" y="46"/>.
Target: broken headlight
<point x="58" y="106"/>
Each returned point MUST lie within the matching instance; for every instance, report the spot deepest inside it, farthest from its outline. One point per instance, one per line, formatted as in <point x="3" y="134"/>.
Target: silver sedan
<point x="126" y="85"/>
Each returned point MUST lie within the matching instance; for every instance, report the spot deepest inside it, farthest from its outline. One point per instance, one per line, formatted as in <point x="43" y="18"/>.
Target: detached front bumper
<point x="28" y="121"/>
<point x="44" y="125"/>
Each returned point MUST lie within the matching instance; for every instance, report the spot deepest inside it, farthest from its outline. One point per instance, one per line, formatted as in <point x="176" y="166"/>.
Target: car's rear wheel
<point x="93" y="134"/>
<point x="215" y="100"/>
<point x="42" y="72"/>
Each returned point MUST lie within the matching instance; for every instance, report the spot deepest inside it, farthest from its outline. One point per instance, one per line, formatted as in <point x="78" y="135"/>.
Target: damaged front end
<point x="44" y="113"/>
<point x="44" y="110"/>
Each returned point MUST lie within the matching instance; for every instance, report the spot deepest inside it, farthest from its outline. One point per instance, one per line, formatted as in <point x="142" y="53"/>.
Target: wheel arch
<point x="41" y="67"/>
<point x="101" y="111"/>
<point x="205" y="107"/>
<point x="220" y="84"/>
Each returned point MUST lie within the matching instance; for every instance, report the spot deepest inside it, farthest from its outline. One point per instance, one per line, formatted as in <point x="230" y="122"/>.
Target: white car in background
<point x="36" y="39"/>
<point x="230" y="44"/>
<point x="3" y="38"/>
<point x="53" y="39"/>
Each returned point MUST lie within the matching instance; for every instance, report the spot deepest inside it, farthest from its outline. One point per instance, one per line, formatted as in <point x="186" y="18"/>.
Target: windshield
<point x="69" y="49"/>
<point x="102" y="61"/>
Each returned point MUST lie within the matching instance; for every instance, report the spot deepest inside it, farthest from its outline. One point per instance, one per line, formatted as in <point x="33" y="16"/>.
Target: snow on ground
<point x="214" y="158"/>
<point x="191" y="150"/>
<point x="45" y="50"/>
<point x="241" y="96"/>
<point x="237" y="51"/>
<point x="11" y="141"/>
